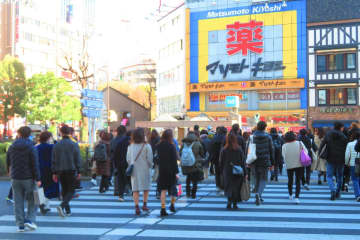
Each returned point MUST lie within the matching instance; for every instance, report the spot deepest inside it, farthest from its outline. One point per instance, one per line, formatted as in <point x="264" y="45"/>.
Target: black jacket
<point x="168" y="167"/>
<point x="66" y="156"/>
<point x="264" y="149"/>
<point x="277" y="151"/>
<point x="22" y="160"/>
<point x="336" y="143"/>
<point x="215" y="148"/>
<point x="119" y="158"/>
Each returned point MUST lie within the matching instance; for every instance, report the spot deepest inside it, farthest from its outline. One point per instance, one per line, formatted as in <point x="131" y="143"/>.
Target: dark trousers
<point x="122" y="181"/>
<point x="346" y="179"/>
<point x="104" y="183"/>
<point x="10" y="195"/>
<point x="299" y="173"/>
<point x="190" y="178"/>
<point x="306" y="175"/>
<point x="67" y="181"/>
<point x="218" y="176"/>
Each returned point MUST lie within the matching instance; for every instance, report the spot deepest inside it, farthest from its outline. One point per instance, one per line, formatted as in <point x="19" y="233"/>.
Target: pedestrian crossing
<point x="102" y="216"/>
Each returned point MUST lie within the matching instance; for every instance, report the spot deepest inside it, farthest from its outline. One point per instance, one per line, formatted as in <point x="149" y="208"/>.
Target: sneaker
<point x="30" y="225"/>
<point x="9" y="200"/>
<point x="44" y="210"/>
<point x="319" y="182"/>
<point x="262" y="200"/>
<point x="257" y="200"/>
<point x="306" y="187"/>
<point x="68" y="214"/>
<point x="21" y="229"/>
<point x="93" y="181"/>
<point x="290" y="197"/>
<point x="297" y="201"/>
<point x="358" y="199"/>
<point x="121" y="199"/>
<point x="60" y="211"/>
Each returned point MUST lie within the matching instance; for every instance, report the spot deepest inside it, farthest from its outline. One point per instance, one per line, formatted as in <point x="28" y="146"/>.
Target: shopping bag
<point x="251" y="154"/>
<point x="39" y="196"/>
<point x="179" y="190"/>
<point x="245" y="190"/>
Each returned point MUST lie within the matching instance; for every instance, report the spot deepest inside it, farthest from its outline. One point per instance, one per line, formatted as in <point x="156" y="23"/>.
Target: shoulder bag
<point x="251" y="152"/>
<point x="305" y="160"/>
<point x="130" y="169"/>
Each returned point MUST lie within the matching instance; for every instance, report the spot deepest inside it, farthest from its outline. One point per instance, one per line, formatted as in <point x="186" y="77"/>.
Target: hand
<point x="38" y="183"/>
<point x="55" y="178"/>
<point x="78" y="176"/>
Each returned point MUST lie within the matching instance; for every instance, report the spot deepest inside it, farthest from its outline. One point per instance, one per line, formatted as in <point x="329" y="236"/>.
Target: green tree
<point x="49" y="98"/>
<point x="12" y="89"/>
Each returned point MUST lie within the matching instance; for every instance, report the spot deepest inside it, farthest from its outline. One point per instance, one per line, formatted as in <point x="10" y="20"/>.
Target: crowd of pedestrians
<point x="134" y="160"/>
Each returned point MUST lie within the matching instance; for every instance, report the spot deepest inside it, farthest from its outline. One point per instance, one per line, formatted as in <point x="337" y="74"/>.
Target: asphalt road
<point x="103" y="217"/>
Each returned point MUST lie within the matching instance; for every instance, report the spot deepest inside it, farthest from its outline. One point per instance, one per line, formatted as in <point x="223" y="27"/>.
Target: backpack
<point x="100" y="154"/>
<point x="187" y="156"/>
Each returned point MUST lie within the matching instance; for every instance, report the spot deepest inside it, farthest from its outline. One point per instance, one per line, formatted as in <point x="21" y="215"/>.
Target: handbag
<point x="39" y="196"/>
<point x="130" y="168"/>
<point x="324" y="152"/>
<point x="251" y="154"/>
<point x="357" y="165"/>
<point x="245" y="190"/>
<point x="305" y="159"/>
<point x="237" y="170"/>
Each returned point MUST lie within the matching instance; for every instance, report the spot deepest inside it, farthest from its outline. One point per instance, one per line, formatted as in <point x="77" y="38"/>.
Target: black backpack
<point x="100" y="154"/>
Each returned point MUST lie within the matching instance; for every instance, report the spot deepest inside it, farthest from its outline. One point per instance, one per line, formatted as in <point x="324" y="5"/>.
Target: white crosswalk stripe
<point x="102" y="216"/>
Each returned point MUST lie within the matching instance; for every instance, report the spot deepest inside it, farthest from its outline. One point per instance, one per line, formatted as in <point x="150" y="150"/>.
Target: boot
<point x="235" y="206"/>
<point x="163" y="213"/>
<point x="137" y="210"/>
<point x="145" y="208"/>
<point x="228" y="205"/>
<point x="172" y="208"/>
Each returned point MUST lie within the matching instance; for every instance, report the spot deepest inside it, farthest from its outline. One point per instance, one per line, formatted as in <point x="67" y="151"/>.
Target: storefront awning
<point x="330" y="123"/>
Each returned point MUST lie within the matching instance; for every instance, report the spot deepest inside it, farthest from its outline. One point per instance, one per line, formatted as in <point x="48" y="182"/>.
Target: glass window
<point x="331" y="62"/>
<point x="321" y="63"/>
<point x="351" y="96"/>
<point x="350" y="61"/>
<point x="337" y="96"/>
<point x="339" y="60"/>
<point x="322" y="97"/>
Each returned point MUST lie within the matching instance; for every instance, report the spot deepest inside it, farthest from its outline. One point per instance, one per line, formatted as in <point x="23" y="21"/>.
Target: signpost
<point x="234" y="103"/>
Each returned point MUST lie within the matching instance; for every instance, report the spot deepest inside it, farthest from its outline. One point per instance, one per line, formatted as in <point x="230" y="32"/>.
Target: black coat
<point x="232" y="183"/>
<point x="277" y="151"/>
<point x="215" y="148"/>
<point x="119" y="156"/>
<point x="264" y="149"/>
<point x="168" y="167"/>
<point x="336" y="143"/>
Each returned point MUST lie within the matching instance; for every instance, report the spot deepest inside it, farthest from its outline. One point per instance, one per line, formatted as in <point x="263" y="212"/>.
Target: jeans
<point x="338" y="169"/>
<point x="67" y="181"/>
<point x="299" y="173"/>
<point x="356" y="182"/>
<point x="306" y="175"/>
<point x="261" y="175"/>
<point x="23" y="190"/>
<point x="122" y="181"/>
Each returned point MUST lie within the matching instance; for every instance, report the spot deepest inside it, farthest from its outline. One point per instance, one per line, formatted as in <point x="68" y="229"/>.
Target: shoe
<point x="319" y="182"/>
<point x="60" y="211"/>
<point x="272" y="178"/>
<point x="290" y="197"/>
<point x="137" y="211"/>
<point x="228" y="206"/>
<point x="21" y="229"/>
<point x="346" y="187"/>
<point x="193" y="196"/>
<point x="306" y="187"/>
<point x="297" y="201"/>
<point x="44" y="210"/>
<point x="163" y="213"/>
<point x="276" y="179"/>
<point x="9" y="200"/>
<point x="235" y="206"/>
<point x="338" y="195"/>
<point x="30" y="225"/>
<point x="257" y="200"/>
<point x="94" y="182"/>
<point x="121" y="199"/>
<point x="333" y="196"/>
<point x="358" y="199"/>
<point x="79" y="188"/>
<point x="145" y="208"/>
<point x="76" y="195"/>
<point x="253" y="190"/>
<point x="262" y="200"/>
<point x="172" y="208"/>
<point x="68" y="212"/>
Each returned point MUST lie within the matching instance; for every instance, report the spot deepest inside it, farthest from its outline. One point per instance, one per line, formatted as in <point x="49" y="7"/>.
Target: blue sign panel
<point x="92" y="113"/>
<point x="92" y="94"/>
<point x="98" y="104"/>
<point x="232" y="101"/>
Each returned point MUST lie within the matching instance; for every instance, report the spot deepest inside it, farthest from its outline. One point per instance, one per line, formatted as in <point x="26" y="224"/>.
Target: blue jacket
<point x="22" y="160"/>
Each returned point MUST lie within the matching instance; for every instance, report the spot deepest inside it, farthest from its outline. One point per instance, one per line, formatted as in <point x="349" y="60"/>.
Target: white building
<point x="170" y="86"/>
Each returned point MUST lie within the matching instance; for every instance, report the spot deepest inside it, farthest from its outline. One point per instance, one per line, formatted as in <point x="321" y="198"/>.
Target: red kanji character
<point x="247" y="36"/>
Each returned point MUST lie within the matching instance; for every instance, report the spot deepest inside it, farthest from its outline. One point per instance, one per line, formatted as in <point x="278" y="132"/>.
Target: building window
<point x="337" y="96"/>
<point x="336" y="62"/>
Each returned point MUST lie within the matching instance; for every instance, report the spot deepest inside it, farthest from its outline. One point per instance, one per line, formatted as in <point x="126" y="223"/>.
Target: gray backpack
<point x="100" y="154"/>
<point x="187" y="156"/>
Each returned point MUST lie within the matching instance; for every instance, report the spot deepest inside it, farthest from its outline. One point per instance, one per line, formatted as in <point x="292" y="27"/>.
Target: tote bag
<point x="251" y="154"/>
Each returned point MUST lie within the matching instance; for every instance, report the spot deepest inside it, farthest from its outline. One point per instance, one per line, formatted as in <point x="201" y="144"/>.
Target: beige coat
<point x="321" y="163"/>
<point x="140" y="179"/>
<point x="291" y="154"/>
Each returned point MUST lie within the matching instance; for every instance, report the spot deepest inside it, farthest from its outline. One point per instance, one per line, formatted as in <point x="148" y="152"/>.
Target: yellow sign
<point x="248" y="85"/>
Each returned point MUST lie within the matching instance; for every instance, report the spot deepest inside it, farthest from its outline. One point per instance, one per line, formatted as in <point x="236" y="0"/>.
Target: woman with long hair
<point x="291" y="151"/>
<point x="230" y="157"/>
<point x="103" y="168"/>
<point x="168" y="170"/>
<point x="140" y="155"/>
<point x="321" y="163"/>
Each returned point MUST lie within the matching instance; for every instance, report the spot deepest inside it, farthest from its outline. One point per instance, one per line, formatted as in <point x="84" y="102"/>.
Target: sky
<point x="128" y="30"/>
